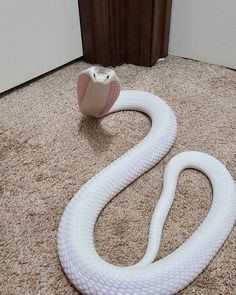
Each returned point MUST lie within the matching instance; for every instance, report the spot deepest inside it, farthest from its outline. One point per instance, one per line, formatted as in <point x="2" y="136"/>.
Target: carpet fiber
<point x="48" y="150"/>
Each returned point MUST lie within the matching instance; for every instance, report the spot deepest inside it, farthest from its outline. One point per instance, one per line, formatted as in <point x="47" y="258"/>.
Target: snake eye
<point x="107" y="76"/>
<point x="94" y="75"/>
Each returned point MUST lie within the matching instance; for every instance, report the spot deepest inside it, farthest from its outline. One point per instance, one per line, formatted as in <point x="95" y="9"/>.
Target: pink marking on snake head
<point x="97" y="91"/>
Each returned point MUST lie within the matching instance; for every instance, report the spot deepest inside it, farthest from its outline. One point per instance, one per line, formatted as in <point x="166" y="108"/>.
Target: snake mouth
<point x="102" y="75"/>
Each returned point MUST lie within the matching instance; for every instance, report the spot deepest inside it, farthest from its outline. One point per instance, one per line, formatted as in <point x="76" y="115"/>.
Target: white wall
<point x="204" y="30"/>
<point x="35" y="37"/>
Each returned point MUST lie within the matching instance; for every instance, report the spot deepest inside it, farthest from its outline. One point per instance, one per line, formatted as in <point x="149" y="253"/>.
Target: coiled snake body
<point x="88" y="271"/>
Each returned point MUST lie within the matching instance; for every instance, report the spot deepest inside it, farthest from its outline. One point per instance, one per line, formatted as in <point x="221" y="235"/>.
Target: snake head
<point x="97" y="91"/>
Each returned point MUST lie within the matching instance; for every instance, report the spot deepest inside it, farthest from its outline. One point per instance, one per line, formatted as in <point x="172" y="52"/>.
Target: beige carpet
<point x="48" y="150"/>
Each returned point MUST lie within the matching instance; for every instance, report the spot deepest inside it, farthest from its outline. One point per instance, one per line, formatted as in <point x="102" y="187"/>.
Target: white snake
<point x="88" y="271"/>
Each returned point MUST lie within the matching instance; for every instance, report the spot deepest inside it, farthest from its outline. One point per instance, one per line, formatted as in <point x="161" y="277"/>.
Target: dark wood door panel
<point x="124" y="31"/>
<point x="138" y="31"/>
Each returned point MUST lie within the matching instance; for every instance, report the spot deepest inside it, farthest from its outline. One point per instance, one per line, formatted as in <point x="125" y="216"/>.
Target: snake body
<point x="88" y="271"/>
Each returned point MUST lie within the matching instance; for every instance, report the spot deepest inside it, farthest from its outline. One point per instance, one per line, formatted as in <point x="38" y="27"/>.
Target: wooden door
<point x="125" y="31"/>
